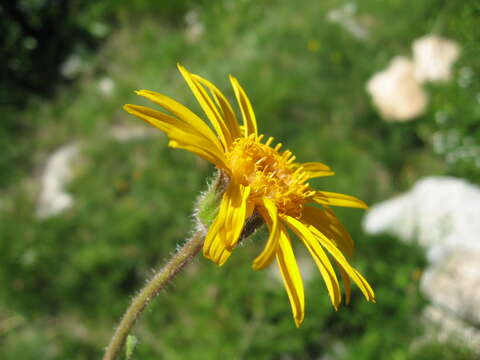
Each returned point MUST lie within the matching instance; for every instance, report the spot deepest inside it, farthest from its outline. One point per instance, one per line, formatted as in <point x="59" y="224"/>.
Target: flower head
<point x="260" y="182"/>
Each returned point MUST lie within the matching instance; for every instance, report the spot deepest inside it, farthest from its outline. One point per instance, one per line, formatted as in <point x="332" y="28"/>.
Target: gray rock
<point x="443" y="215"/>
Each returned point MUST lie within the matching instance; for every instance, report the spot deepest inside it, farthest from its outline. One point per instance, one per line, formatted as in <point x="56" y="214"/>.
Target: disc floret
<point x="270" y="173"/>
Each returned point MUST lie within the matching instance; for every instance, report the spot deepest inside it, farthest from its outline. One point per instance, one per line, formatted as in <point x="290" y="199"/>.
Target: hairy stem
<point x="150" y="291"/>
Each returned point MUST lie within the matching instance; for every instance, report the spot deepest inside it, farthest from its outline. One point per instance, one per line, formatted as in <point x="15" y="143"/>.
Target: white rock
<point x="434" y="57"/>
<point x="454" y="284"/>
<point x="396" y="92"/>
<point x="441" y="213"/>
<point x="59" y="170"/>
<point x="447" y="328"/>
<point x="124" y="133"/>
<point x="53" y="198"/>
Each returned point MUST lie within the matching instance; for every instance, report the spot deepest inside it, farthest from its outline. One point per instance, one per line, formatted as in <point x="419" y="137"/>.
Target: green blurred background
<point x="67" y="69"/>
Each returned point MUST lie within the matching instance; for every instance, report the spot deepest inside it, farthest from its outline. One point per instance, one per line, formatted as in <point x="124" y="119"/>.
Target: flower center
<point x="269" y="173"/>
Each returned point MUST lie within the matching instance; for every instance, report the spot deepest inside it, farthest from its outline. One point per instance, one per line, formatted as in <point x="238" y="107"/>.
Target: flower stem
<point x="150" y="291"/>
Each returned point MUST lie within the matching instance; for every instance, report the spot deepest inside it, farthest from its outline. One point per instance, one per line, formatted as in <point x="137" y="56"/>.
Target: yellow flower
<point x="261" y="182"/>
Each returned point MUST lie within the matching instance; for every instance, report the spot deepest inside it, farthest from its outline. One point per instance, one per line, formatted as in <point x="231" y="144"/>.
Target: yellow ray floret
<point x="291" y="276"/>
<point x="260" y="181"/>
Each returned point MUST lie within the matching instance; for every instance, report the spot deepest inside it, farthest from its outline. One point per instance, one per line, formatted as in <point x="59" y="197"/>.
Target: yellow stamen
<point x="269" y="174"/>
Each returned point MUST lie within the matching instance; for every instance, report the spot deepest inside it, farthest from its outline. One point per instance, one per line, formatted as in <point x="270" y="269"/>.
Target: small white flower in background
<point x="465" y="76"/>
<point x="445" y="141"/>
<point x="396" y="92"/>
<point x="195" y="28"/>
<point x="99" y="29"/>
<point x="53" y="198"/>
<point x="106" y="86"/>
<point x="441" y="117"/>
<point x="455" y="148"/>
<point x="345" y="16"/>
<point x="433" y="57"/>
<point x="468" y="153"/>
<point x="72" y="66"/>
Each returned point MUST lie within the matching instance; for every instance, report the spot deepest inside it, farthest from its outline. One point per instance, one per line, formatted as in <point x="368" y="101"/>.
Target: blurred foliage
<point x="48" y="43"/>
<point x="37" y="36"/>
<point x="67" y="279"/>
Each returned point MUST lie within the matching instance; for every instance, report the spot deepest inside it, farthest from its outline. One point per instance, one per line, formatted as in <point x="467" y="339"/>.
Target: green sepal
<point x="209" y="202"/>
<point x="130" y="345"/>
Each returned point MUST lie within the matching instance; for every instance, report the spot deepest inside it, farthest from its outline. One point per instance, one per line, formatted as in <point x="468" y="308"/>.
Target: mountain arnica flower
<point x="259" y="181"/>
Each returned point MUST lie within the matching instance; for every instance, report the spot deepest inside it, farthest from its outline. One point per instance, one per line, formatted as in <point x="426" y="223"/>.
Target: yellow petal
<point x="346" y="284"/>
<point x="159" y="119"/>
<point x="315" y="166"/>
<point x="227" y="111"/>
<point x="249" y="120"/>
<point x="270" y="215"/>
<point x="208" y="107"/>
<point x="321" y="259"/>
<point x="364" y="286"/>
<point x="291" y="277"/>
<point x="335" y="199"/>
<point x="340" y="231"/>
<point x="236" y="213"/>
<point x="181" y="134"/>
<point x="215" y="227"/>
<point x="316" y="169"/>
<point x="184" y="114"/>
<point x="327" y="223"/>
<point x="237" y="210"/>
<point x="178" y="144"/>
<point x="220" y="253"/>
<point x="225" y="231"/>
<point x="317" y="174"/>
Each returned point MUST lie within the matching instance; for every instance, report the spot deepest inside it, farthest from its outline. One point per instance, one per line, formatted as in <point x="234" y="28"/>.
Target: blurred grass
<point x="69" y="278"/>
